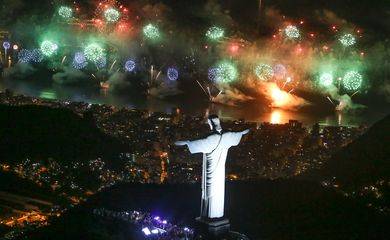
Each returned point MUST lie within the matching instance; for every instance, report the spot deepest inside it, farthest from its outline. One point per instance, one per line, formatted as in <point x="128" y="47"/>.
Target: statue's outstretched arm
<point x="181" y="143"/>
<point x="245" y="132"/>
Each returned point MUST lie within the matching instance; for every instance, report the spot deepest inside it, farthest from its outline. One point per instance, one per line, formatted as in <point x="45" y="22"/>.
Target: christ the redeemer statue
<point x="214" y="149"/>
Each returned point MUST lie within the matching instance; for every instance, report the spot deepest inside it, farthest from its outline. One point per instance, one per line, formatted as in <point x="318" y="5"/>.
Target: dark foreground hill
<point x="263" y="210"/>
<point x="23" y="190"/>
<point x="41" y="132"/>
<point x="364" y="161"/>
<point x="9" y="182"/>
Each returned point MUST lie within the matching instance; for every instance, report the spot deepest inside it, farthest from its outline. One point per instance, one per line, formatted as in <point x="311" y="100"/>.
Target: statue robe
<point x="214" y="149"/>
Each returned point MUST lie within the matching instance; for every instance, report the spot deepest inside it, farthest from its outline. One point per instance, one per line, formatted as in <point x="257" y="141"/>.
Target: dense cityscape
<point x="194" y="120"/>
<point x="270" y="151"/>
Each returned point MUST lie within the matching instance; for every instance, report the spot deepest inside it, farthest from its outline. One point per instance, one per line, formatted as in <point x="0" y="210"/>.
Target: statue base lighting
<point x="216" y="229"/>
<point x="213" y="228"/>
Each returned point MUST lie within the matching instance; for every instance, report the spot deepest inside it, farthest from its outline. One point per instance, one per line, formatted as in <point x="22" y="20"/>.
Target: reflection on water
<point x="48" y="94"/>
<point x="257" y="112"/>
<point x="280" y="116"/>
<point x="339" y="117"/>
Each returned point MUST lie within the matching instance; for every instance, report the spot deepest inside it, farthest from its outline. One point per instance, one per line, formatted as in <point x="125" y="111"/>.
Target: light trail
<point x="112" y="65"/>
<point x="330" y="100"/>
<point x="354" y="93"/>
<point x="200" y="85"/>
<point x="63" y="60"/>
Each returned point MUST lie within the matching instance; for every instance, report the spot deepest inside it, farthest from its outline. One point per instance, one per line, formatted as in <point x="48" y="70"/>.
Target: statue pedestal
<point x="213" y="228"/>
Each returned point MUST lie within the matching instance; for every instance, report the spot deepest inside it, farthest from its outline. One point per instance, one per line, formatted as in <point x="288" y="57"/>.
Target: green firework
<point x="94" y="52"/>
<point x="226" y="72"/>
<point x="48" y="48"/>
<point x="347" y="40"/>
<point x="151" y="32"/>
<point x="264" y="71"/>
<point x="65" y="12"/>
<point x="352" y="80"/>
<point x="215" y="33"/>
<point x="326" y="79"/>
<point x="112" y="15"/>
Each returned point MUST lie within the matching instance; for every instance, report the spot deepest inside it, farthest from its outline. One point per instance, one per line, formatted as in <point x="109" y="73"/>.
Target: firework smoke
<point x="293" y="62"/>
<point x="70" y="76"/>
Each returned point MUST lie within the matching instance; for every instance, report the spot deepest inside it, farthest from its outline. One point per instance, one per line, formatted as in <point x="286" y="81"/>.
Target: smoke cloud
<point x="232" y="97"/>
<point x="19" y="71"/>
<point x="117" y="82"/>
<point x="69" y="76"/>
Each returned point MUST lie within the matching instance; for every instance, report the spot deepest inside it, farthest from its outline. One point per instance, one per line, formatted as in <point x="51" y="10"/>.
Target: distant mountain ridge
<point x="365" y="160"/>
<point x="41" y="132"/>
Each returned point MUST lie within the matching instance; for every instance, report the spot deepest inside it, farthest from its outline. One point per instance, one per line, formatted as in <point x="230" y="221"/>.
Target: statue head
<point x="214" y="123"/>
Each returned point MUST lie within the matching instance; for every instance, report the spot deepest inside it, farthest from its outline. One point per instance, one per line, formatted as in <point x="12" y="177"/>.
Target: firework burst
<point x="292" y="32"/>
<point x="129" y="65"/>
<point x="24" y="56"/>
<point x="352" y="80"/>
<point x="65" y="12"/>
<point x="326" y="79"/>
<point x="112" y="15"/>
<point x="173" y="74"/>
<point x="151" y="32"/>
<point x="264" y="71"/>
<point x="36" y="56"/>
<point x="215" y="33"/>
<point x="347" y="40"/>
<point x="48" y="48"/>
<point x="226" y="72"/>
<point x="94" y="52"/>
